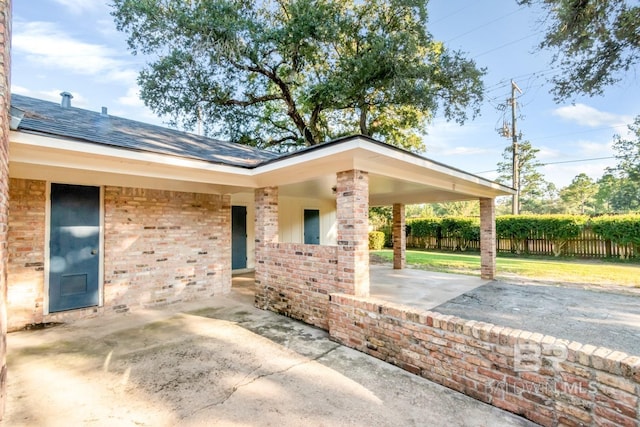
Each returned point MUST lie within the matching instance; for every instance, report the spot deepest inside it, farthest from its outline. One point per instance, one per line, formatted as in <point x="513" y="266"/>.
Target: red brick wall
<point x="27" y="199"/>
<point x="549" y="381"/>
<point x="295" y="279"/>
<point x="299" y="280"/>
<point x="399" y="237"/>
<point x="5" y="84"/>
<point x="161" y="247"/>
<point x="352" y="214"/>
<point x="266" y="233"/>
<point x="487" y="239"/>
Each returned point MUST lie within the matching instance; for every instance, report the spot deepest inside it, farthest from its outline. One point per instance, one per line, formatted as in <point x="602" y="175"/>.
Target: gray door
<point x="238" y="237"/>
<point x="311" y="226"/>
<point x="74" y="242"/>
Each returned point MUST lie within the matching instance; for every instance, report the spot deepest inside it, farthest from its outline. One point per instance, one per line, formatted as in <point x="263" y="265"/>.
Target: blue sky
<point x="73" y="45"/>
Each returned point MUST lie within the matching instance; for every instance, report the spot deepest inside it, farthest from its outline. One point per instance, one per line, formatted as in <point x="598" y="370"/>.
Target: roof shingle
<point x="51" y="119"/>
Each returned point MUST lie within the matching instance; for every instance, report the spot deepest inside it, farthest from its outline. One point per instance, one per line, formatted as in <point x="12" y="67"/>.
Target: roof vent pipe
<point x="66" y="99"/>
<point x="104" y="111"/>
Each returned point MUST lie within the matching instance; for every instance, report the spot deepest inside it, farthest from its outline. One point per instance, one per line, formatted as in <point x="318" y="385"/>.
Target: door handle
<point x="94" y="251"/>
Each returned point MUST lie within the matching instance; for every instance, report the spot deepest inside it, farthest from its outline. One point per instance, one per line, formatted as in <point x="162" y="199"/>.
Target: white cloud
<point x="132" y="98"/>
<point x="46" y="45"/>
<point x="547" y="153"/>
<point x="595" y="149"/>
<point x="562" y="174"/>
<point x="588" y="116"/>
<point x="78" y="7"/>
<point x="444" y="139"/>
<point x="50" y="95"/>
<point x="460" y="151"/>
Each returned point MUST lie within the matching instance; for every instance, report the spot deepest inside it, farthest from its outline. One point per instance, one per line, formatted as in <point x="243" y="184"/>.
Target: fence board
<point x="587" y="245"/>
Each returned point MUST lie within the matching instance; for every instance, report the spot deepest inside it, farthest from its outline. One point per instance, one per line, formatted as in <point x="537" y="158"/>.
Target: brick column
<point x="487" y="239"/>
<point x="266" y="233"/>
<point x="399" y="237"/>
<point x="5" y="101"/>
<point x="352" y="199"/>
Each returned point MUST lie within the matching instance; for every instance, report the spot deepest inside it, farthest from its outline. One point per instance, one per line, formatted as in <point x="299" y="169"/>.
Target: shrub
<point x="424" y="227"/>
<point x="463" y="229"/>
<point x="556" y="228"/>
<point x="376" y="240"/>
<point x="620" y="229"/>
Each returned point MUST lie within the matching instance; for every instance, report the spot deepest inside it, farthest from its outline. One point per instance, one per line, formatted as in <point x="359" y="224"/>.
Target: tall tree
<point x="626" y="196"/>
<point x="595" y="42"/>
<point x="461" y="208"/>
<point x="608" y="185"/>
<point x="579" y="196"/>
<point x="627" y="151"/>
<point x="533" y="186"/>
<point x="284" y="73"/>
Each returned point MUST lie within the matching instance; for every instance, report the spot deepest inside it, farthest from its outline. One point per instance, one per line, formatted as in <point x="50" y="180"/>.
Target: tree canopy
<point x="284" y="73"/>
<point x="594" y="42"/>
<point x="626" y="193"/>
<point x="533" y="186"/>
<point x="579" y="196"/>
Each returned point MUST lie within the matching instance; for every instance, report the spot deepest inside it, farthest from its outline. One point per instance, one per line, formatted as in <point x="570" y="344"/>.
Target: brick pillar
<point x="399" y="237"/>
<point x="487" y="239"/>
<point x="352" y="199"/>
<point x="5" y="101"/>
<point x="266" y="232"/>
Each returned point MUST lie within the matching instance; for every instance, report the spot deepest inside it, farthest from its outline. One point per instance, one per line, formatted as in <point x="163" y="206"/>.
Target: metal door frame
<point x="47" y="250"/>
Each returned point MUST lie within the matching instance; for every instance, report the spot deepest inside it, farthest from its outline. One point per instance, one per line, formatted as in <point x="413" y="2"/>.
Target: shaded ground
<point x="594" y="316"/>
<point x="219" y="362"/>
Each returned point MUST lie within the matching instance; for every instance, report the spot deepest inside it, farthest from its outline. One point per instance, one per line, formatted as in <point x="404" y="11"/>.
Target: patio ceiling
<point x="396" y="176"/>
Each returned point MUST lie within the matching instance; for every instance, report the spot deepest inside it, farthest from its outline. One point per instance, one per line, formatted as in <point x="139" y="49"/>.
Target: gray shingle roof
<point x="50" y="118"/>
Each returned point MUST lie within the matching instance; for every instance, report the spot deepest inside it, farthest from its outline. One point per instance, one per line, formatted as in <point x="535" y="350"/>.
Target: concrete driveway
<point x="217" y="362"/>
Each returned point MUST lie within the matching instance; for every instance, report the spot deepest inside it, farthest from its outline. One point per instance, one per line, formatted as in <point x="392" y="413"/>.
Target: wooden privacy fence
<point x="586" y="245"/>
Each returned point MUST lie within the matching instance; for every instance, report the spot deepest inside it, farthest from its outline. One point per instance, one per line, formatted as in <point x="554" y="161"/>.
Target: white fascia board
<point x="42" y="150"/>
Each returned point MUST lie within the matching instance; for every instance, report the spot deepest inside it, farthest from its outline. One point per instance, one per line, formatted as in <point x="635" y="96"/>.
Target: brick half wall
<point x="549" y="381"/>
<point x="298" y="280"/>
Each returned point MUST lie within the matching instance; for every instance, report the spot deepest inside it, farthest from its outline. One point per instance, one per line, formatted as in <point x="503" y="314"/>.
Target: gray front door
<point x="238" y="237"/>
<point x="312" y="226"/>
<point x="74" y="242"/>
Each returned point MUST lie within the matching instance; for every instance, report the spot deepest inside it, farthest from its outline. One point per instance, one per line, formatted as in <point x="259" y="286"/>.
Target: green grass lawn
<point x="596" y="272"/>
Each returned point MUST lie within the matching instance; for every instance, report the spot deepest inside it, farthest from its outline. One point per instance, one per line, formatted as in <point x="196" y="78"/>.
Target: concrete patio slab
<point x="218" y="362"/>
<point x="419" y="288"/>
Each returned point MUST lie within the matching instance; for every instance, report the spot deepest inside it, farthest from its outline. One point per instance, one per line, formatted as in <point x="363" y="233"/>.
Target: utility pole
<point x="515" y="205"/>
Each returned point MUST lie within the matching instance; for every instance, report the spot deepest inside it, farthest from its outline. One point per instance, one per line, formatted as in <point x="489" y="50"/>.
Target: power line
<point x="561" y="162"/>
<point x="452" y="13"/>
<point x="579" y="132"/>
<point x="507" y="44"/>
<point x="484" y="25"/>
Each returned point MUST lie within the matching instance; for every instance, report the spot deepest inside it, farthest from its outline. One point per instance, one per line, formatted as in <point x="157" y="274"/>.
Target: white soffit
<point x="379" y="160"/>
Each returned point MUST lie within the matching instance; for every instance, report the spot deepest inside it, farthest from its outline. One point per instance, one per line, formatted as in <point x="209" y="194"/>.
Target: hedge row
<point x="619" y="229"/>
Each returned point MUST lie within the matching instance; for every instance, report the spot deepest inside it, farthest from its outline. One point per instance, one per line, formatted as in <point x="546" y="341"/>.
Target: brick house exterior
<point x="165" y="231"/>
<point x="5" y="84"/>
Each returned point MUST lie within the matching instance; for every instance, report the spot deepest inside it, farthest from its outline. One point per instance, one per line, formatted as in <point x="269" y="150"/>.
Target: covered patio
<point x="411" y="287"/>
<point x="296" y="279"/>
